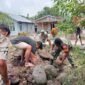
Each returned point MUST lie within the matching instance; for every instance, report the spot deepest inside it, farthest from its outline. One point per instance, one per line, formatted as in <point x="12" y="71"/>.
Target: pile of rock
<point x="41" y="74"/>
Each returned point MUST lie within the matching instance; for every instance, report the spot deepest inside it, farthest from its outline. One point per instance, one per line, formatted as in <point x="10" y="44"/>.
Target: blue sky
<point x="22" y="7"/>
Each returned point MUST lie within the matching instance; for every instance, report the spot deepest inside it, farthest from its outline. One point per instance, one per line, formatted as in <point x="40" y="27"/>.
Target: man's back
<point x="26" y="40"/>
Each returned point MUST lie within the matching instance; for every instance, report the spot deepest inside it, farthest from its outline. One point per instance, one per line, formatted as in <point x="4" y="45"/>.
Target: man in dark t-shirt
<point x="25" y="40"/>
<point x="29" y="47"/>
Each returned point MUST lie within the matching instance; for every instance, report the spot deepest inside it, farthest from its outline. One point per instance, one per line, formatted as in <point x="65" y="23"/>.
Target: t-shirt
<point x="4" y="46"/>
<point x="26" y="40"/>
<point x="66" y="41"/>
<point x="43" y="37"/>
<point x="78" y="30"/>
<point x="59" y="51"/>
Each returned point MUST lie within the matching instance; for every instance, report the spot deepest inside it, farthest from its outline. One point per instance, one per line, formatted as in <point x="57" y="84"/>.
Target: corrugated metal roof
<point x="19" y="18"/>
<point x="49" y="18"/>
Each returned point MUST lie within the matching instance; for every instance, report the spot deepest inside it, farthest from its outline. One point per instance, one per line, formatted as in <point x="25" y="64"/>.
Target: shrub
<point x="76" y="76"/>
<point x="66" y="27"/>
<point x="82" y="23"/>
<point x="22" y="34"/>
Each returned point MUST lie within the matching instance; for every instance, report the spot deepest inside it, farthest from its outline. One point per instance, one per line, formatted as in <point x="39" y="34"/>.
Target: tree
<point x="76" y="20"/>
<point x="64" y="8"/>
<point x="44" y="12"/>
<point x="82" y="23"/>
<point x="69" y="8"/>
<point x="66" y="27"/>
<point x="4" y="18"/>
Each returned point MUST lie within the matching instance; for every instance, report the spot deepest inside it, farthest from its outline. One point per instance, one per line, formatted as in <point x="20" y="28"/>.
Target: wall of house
<point x="31" y="28"/>
<point x="44" y="26"/>
<point x="21" y="27"/>
<point x="15" y="28"/>
<point x="26" y="27"/>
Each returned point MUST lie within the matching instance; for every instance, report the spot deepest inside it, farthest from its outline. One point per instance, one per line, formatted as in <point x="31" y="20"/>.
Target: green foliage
<point x="82" y="23"/>
<point x="4" y="18"/>
<point x="79" y="56"/>
<point x="64" y="8"/>
<point x="44" y="12"/>
<point x="76" y="76"/>
<point x="80" y="10"/>
<point x="23" y="34"/>
<point x="66" y="27"/>
<point x="69" y="8"/>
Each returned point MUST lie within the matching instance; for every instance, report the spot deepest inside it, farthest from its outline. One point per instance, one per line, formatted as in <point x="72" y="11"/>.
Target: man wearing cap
<point x="44" y="37"/>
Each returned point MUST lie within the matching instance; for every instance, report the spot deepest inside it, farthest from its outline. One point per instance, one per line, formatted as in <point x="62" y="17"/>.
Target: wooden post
<point x="42" y="26"/>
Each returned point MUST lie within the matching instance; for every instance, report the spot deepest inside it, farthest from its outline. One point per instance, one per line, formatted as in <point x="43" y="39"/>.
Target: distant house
<point x="20" y="24"/>
<point x="47" y="22"/>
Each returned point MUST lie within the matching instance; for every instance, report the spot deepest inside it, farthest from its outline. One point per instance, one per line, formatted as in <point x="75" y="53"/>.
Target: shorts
<point x="3" y="54"/>
<point x="78" y="35"/>
<point x="4" y="51"/>
<point x="23" y="45"/>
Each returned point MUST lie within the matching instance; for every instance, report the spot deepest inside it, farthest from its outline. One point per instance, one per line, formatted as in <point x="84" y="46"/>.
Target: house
<point x="47" y="22"/>
<point x="20" y="24"/>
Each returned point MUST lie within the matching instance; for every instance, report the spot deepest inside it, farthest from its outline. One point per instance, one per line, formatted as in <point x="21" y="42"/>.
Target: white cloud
<point x="23" y="6"/>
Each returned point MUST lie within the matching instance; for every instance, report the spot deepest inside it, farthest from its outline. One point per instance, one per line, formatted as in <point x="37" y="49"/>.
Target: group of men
<point x="29" y="47"/>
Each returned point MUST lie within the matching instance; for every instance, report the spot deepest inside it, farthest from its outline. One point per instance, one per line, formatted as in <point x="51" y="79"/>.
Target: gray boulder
<point x="45" y="54"/>
<point x="50" y="82"/>
<point x="39" y="75"/>
<point x="53" y="82"/>
<point x="51" y="71"/>
<point x="61" y="76"/>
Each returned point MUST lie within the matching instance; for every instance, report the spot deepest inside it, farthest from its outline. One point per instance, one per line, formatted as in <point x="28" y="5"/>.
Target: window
<point x="20" y="25"/>
<point x="13" y="28"/>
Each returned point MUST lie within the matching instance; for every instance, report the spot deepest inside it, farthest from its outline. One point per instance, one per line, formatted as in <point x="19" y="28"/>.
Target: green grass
<point x="76" y="76"/>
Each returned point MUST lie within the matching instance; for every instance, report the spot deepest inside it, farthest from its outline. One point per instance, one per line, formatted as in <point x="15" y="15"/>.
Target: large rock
<point x="53" y="82"/>
<point x="45" y="54"/>
<point x="39" y="75"/>
<point x="15" y="80"/>
<point x="61" y="76"/>
<point x="51" y="71"/>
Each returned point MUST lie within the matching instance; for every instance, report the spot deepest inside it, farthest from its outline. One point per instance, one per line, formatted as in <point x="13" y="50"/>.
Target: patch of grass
<point x="76" y="76"/>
